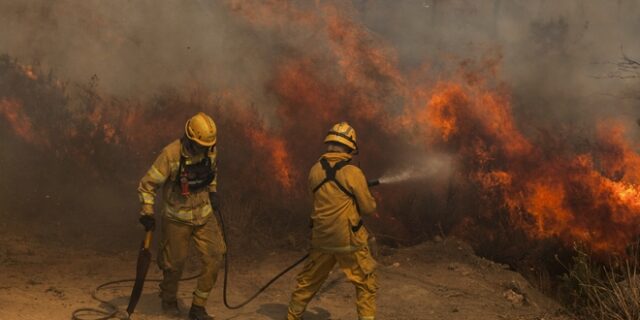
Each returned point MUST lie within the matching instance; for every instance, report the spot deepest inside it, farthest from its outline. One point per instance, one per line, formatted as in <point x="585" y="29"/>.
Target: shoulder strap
<point x="180" y="167"/>
<point x="328" y="172"/>
<point x="330" y="175"/>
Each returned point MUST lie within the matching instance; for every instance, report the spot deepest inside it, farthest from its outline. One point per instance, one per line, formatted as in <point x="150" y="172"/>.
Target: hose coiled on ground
<point x="113" y="312"/>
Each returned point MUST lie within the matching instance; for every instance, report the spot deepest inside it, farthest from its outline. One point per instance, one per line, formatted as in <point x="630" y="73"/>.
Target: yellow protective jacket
<point x="193" y="209"/>
<point x="336" y="214"/>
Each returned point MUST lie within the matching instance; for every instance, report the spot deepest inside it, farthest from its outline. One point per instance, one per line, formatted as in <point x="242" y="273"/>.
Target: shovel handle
<point x="147" y="239"/>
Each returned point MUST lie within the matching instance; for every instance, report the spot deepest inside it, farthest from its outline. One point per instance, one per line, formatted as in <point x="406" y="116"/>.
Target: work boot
<point x="170" y="308"/>
<point x="198" y="313"/>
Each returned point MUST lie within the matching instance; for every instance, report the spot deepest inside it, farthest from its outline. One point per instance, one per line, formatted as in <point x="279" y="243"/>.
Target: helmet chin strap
<point x="192" y="147"/>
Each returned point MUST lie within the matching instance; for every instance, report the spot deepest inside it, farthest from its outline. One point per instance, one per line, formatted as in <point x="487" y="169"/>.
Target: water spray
<point x="426" y="167"/>
<point x="430" y="166"/>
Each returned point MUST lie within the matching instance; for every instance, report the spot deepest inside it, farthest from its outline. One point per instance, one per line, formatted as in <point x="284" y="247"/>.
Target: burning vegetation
<point x="501" y="178"/>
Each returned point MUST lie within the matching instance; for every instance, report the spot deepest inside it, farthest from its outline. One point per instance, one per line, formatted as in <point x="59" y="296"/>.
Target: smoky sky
<point x="134" y="47"/>
<point x="556" y="55"/>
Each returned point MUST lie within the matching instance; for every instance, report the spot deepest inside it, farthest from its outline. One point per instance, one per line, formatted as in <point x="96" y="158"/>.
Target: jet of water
<point x="427" y="167"/>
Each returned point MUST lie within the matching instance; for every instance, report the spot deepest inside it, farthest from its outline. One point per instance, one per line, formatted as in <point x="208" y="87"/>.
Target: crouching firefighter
<point x="185" y="170"/>
<point x="340" y="196"/>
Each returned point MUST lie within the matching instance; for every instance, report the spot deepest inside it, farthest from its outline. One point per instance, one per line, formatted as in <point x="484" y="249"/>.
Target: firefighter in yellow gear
<point x="340" y="197"/>
<point x="186" y="171"/>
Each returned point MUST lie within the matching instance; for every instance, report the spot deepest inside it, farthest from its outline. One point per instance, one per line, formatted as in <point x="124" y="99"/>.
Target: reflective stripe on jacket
<point x="194" y="208"/>
<point x="336" y="213"/>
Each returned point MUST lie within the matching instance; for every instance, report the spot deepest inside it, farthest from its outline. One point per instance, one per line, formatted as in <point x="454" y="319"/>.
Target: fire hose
<point x="113" y="312"/>
<point x="225" y="300"/>
<point x="262" y="289"/>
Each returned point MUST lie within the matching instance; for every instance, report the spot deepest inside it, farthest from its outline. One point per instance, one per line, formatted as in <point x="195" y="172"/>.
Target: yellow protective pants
<point x="174" y="248"/>
<point x="358" y="266"/>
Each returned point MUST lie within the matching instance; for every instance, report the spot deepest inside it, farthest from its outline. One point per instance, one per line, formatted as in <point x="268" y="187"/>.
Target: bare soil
<point x="434" y="280"/>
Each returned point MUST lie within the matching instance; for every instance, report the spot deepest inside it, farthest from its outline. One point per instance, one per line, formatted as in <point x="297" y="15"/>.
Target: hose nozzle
<point x="373" y="183"/>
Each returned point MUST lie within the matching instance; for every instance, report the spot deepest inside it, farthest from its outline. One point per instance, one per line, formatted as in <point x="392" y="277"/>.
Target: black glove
<point x="148" y="221"/>
<point x="215" y="201"/>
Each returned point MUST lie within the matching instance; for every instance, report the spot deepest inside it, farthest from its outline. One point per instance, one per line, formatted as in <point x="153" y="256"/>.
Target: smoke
<point x="433" y="166"/>
<point x="554" y="55"/>
<point x="136" y="48"/>
<point x="127" y="73"/>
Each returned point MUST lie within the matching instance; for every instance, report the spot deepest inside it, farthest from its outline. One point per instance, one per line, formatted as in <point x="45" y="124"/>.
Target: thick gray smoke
<point x="557" y="58"/>
<point x="136" y="47"/>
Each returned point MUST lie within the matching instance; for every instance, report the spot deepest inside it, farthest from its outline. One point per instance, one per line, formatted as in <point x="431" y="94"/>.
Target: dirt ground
<point x="435" y="280"/>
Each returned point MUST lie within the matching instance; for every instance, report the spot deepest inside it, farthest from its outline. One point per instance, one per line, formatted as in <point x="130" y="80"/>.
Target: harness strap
<point x="183" y="176"/>
<point x="354" y="229"/>
<point x="181" y="166"/>
<point x="357" y="227"/>
<point x="182" y="180"/>
<point x="330" y="173"/>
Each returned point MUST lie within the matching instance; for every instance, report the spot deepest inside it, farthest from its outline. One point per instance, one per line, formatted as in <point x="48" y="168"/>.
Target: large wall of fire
<point x="524" y="99"/>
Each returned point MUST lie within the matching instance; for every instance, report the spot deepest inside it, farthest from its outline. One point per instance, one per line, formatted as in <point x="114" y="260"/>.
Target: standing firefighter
<point x="340" y="196"/>
<point x="186" y="172"/>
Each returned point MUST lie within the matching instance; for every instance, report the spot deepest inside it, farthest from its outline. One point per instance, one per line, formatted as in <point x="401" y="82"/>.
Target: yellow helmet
<point x="344" y="134"/>
<point x="201" y="129"/>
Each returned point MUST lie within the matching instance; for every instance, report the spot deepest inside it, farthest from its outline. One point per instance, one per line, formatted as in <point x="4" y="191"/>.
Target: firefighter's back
<point x="335" y="207"/>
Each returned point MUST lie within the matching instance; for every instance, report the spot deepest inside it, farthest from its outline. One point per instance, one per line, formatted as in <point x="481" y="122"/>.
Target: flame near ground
<point x="540" y="183"/>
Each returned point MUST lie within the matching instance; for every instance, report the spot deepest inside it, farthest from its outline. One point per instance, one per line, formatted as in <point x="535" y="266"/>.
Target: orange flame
<point x="564" y="196"/>
<point x="28" y="71"/>
<point x="591" y="197"/>
<point x="20" y="122"/>
<point x="279" y="157"/>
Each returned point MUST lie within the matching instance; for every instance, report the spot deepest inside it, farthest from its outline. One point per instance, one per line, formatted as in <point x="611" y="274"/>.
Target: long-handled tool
<point x="112" y="311"/>
<point x="144" y="260"/>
